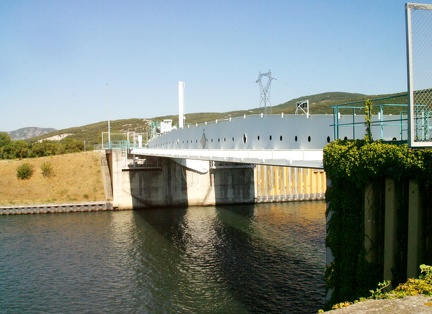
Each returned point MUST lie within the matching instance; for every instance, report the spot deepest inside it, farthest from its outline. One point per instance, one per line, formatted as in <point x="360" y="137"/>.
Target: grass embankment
<point x="76" y="178"/>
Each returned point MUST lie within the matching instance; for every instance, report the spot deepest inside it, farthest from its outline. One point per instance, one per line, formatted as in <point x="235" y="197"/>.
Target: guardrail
<point x="402" y="121"/>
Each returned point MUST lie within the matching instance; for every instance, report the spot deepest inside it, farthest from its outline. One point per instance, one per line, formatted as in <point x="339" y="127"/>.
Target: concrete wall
<point x="169" y="184"/>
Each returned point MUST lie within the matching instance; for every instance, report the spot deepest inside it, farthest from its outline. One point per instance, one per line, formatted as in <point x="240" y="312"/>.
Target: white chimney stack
<point x="181" y="103"/>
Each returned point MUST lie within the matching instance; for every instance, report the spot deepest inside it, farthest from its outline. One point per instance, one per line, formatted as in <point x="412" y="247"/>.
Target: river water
<point x="267" y="258"/>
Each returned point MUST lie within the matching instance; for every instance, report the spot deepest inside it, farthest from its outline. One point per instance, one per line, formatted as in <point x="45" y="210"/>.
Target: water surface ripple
<point x="266" y="258"/>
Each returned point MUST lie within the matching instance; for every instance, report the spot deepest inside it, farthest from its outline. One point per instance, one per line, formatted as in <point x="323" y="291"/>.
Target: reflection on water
<point x="251" y="258"/>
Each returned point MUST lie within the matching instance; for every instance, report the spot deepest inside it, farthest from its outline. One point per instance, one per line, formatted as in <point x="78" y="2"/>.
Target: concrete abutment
<point x="162" y="182"/>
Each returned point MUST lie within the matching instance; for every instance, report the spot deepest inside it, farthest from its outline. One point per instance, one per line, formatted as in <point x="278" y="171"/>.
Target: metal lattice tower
<point x="265" y="90"/>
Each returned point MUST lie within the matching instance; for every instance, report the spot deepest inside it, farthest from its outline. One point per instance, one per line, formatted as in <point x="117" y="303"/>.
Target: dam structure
<point x="247" y="159"/>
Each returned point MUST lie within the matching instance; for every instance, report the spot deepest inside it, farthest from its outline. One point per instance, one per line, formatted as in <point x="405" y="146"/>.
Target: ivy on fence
<point x="350" y="166"/>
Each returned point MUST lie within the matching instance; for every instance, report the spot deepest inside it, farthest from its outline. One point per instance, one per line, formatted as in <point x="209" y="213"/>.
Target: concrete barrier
<point x="55" y="208"/>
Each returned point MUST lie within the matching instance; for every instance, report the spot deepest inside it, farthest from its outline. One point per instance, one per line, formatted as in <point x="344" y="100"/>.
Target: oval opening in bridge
<point x="244" y="138"/>
<point x="280" y="138"/>
<point x="309" y="138"/>
<point x="270" y="137"/>
<point x="295" y="138"/>
<point x="328" y="139"/>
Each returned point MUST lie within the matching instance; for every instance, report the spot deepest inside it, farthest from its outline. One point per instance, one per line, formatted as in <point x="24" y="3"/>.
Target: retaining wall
<point x="55" y="208"/>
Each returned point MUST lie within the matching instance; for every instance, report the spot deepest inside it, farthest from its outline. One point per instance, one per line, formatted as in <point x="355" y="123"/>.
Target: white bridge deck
<point x="294" y="158"/>
<point x="280" y="140"/>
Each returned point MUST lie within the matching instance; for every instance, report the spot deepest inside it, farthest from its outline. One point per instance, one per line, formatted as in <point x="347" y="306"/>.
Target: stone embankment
<point x="419" y="304"/>
<point x="55" y="208"/>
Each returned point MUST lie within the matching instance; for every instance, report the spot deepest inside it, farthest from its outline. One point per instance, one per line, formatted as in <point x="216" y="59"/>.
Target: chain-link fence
<point x="419" y="52"/>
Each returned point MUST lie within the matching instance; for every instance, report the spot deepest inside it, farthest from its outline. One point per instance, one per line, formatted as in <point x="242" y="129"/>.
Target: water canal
<point x="267" y="258"/>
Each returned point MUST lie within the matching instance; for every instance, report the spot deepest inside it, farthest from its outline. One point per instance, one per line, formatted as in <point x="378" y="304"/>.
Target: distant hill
<point x="27" y="133"/>
<point x="91" y="134"/>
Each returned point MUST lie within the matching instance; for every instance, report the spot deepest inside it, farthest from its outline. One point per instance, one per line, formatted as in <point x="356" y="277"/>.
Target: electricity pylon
<point x="265" y="90"/>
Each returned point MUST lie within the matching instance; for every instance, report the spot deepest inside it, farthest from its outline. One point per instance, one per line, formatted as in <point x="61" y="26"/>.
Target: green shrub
<point x="47" y="170"/>
<point x="25" y="171"/>
<point x="413" y="286"/>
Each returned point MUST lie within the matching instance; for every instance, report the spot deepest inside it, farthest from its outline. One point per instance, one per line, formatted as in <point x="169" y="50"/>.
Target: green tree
<point x="72" y="145"/>
<point x="21" y="149"/>
<point x="5" y="139"/>
<point x="8" y="151"/>
<point x="46" y="148"/>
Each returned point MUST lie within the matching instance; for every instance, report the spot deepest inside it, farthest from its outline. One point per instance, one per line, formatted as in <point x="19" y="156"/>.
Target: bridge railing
<point x="400" y="121"/>
<point x="123" y="141"/>
<point x="211" y="122"/>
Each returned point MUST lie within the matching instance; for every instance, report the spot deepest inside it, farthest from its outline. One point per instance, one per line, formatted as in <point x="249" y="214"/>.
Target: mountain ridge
<point x="29" y="132"/>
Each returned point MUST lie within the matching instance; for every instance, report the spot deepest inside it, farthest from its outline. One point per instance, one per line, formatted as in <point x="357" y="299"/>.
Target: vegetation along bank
<point x="352" y="166"/>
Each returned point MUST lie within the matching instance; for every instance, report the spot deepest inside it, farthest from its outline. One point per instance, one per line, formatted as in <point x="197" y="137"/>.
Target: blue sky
<point x="71" y="63"/>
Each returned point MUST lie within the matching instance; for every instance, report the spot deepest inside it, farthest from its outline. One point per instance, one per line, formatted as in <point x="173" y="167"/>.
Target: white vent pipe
<point x="181" y="103"/>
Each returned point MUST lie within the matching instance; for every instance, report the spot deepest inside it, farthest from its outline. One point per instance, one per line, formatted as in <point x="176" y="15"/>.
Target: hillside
<point x="77" y="178"/>
<point x="91" y="134"/>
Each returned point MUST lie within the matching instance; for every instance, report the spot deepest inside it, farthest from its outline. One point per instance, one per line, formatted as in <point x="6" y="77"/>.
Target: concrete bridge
<point x="271" y="158"/>
<point x="276" y="140"/>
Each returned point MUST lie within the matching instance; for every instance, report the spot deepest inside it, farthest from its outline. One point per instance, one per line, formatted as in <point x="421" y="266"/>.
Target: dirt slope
<point x="77" y="178"/>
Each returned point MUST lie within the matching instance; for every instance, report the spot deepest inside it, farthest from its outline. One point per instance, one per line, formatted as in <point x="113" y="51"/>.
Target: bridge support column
<point x="414" y="230"/>
<point x="121" y="198"/>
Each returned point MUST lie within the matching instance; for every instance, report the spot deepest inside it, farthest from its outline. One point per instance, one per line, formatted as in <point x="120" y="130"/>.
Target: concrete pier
<point x="162" y="182"/>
